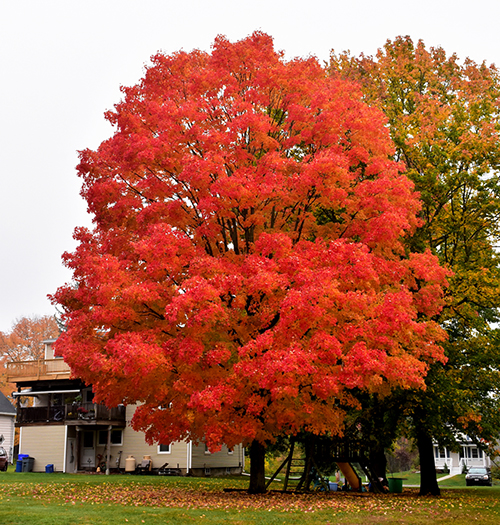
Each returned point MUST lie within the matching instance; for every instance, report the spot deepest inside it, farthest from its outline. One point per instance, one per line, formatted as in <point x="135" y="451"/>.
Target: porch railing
<point x="33" y="370"/>
<point x="72" y="411"/>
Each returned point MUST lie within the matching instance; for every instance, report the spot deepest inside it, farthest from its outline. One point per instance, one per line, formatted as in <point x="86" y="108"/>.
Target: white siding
<point x="222" y="459"/>
<point x="135" y="444"/>
<point x="45" y="444"/>
<point x="7" y="430"/>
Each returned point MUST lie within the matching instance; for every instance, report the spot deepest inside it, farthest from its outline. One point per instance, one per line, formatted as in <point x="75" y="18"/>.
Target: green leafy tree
<point x="443" y="116"/>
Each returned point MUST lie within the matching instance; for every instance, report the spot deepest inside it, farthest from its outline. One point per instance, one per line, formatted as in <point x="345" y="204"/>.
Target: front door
<point x="87" y="456"/>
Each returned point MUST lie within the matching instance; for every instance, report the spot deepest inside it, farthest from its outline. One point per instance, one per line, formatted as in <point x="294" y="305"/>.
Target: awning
<point x="37" y="392"/>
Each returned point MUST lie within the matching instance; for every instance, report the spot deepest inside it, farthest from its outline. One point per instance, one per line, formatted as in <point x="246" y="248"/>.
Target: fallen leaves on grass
<point x="141" y="494"/>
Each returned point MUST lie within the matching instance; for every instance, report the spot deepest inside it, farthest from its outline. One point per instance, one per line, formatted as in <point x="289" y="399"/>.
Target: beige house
<point x="62" y="428"/>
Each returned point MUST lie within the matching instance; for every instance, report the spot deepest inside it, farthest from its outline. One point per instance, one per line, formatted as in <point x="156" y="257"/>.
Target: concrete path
<point x="447" y="477"/>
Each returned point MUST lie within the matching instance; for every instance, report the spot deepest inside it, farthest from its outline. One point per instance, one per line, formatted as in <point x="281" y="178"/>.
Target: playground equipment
<point x="300" y="472"/>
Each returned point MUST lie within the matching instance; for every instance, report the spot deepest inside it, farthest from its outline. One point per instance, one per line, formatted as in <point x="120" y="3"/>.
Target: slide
<point x="350" y="475"/>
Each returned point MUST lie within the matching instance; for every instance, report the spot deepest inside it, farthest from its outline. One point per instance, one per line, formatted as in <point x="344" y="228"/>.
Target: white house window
<point x="164" y="449"/>
<point x="475" y="453"/>
<point x="230" y="450"/>
<point x="116" y="437"/>
<point x="441" y="453"/>
<point x="206" y="449"/>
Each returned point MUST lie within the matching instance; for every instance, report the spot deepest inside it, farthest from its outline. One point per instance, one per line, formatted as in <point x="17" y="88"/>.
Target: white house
<point x="7" y="430"/>
<point x="60" y="425"/>
<point x="470" y="455"/>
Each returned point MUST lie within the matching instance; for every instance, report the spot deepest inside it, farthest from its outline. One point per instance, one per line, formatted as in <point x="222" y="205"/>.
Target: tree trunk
<point x="428" y="477"/>
<point x="257" y="468"/>
<point x="378" y="464"/>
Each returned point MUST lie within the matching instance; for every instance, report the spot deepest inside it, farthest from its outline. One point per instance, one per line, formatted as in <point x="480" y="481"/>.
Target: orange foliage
<point x="24" y="343"/>
<point x="246" y="271"/>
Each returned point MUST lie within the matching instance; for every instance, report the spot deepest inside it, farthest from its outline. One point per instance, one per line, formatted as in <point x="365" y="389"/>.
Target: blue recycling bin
<point x="19" y="465"/>
<point x="49" y="469"/>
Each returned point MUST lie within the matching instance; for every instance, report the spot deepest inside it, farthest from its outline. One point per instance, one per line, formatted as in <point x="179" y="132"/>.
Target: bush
<point x="495" y="472"/>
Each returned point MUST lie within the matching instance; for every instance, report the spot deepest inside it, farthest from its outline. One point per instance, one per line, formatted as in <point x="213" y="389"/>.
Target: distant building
<point x="7" y="429"/>
<point x="470" y="455"/>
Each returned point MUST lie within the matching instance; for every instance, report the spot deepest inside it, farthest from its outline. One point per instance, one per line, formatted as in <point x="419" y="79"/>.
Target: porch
<point x="71" y="413"/>
<point x="41" y="369"/>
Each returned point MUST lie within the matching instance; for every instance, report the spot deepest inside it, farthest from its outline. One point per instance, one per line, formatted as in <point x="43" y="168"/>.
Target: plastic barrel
<point x="130" y="464"/>
<point x="28" y="464"/>
<point x="395" y="485"/>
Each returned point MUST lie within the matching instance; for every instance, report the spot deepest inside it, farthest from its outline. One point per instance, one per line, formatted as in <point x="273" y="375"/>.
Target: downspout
<point x="65" y="447"/>
<point x="189" y="457"/>
<point x="108" y="450"/>
<point x="20" y="440"/>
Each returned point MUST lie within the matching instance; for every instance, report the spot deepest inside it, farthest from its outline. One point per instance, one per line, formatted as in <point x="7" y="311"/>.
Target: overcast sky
<point x="62" y="63"/>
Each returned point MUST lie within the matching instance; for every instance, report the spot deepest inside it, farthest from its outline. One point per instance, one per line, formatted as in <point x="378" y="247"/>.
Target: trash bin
<point x="49" y="469"/>
<point x="28" y="464"/>
<point x="395" y="485"/>
<point x="19" y="465"/>
<point x="333" y="486"/>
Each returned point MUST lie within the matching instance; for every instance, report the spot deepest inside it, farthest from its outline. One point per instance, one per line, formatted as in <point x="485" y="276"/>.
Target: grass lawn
<point x="413" y="479"/>
<point x="64" y="499"/>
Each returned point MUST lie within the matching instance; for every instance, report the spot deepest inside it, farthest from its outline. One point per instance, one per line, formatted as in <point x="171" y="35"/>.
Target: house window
<point x="230" y="450"/>
<point x="164" y="449"/>
<point x="116" y="437"/>
<point x="57" y="399"/>
<point x="89" y="396"/>
<point x="475" y="454"/>
<point x="206" y="449"/>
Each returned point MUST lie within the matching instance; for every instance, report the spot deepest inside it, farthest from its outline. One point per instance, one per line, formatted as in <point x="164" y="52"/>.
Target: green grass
<point x="456" y="482"/>
<point x="64" y="499"/>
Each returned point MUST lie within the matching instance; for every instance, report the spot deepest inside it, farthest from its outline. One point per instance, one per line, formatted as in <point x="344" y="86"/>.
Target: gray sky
<point x="62" y="63"/>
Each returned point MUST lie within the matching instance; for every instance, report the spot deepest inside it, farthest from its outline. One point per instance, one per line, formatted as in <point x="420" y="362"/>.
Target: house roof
<point x="6" y="406"/>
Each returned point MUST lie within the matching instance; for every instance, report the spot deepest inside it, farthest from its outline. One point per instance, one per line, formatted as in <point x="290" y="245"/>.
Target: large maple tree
<point x="444" y="119"/>
<point x="246" y="272"/>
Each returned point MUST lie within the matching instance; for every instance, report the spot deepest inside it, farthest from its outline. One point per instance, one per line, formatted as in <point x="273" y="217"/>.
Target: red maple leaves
<point x="246" y="270"/>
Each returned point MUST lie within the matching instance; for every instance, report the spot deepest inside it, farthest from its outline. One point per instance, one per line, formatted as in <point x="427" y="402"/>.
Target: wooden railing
<point x="72" y="411"/>
<point x="33" y="370"/>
